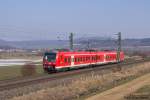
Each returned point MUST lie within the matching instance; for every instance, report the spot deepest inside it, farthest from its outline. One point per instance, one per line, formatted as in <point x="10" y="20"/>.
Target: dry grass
<point x="86" y="84"/>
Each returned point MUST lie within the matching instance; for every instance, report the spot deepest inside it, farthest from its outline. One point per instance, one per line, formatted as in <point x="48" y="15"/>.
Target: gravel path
<point x="119" y="92"/>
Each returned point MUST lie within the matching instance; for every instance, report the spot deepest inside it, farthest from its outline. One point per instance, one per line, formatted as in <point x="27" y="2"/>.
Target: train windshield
<point x="51" y="57"/>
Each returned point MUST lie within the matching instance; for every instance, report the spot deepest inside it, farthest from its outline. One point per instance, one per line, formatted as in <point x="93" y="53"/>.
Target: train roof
<point x="84" y="51"/>
<point x="81" y="52"/>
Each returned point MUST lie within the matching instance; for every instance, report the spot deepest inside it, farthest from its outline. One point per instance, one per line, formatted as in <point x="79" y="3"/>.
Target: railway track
<point x="5" y="85"/>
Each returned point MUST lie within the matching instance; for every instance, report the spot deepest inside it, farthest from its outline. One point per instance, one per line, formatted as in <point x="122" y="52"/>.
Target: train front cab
<point x="49" y="61"/>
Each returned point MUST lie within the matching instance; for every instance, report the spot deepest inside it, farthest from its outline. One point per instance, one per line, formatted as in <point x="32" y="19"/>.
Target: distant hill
<point x="2" y="42"/>
<point x="5" y="45"/>
<point x="39" y="44"/>
<point x="112" y="43"/>
<point x="95" y="42"/>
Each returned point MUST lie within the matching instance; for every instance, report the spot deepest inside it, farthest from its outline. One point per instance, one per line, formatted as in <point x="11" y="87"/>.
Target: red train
<point x="53" y="61"/>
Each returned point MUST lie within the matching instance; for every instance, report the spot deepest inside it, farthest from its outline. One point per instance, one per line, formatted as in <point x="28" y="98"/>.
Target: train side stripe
<point x="57" y="67"/>
<point x="86" y="54"/>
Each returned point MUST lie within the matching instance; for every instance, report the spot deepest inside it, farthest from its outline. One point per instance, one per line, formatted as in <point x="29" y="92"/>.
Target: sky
<point x="53" y="19"/>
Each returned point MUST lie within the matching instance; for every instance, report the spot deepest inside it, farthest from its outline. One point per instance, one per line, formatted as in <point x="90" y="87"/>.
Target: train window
<point x="51" y="57"/>
<point x="75" y="59"/>
<point x="65" y="60"/>
<point x="69" y="60"/>
<point x="95" y="57"/>
<point x="78" y="59"/>
<point x="108" y="57"/>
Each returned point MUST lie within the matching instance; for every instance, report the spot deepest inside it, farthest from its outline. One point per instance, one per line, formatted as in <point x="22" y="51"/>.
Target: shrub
<point x="28" y="69"/>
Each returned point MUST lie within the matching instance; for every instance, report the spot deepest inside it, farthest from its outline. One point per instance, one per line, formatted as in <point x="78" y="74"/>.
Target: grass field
<point x="144" y="89"/>
<point x="10" y="72"/>
<point x="141" y="94"/>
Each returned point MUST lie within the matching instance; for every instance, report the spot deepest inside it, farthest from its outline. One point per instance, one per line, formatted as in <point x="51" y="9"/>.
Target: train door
<point x="72" y="60"/>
